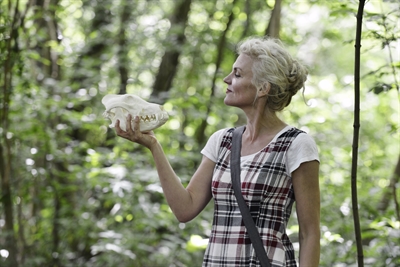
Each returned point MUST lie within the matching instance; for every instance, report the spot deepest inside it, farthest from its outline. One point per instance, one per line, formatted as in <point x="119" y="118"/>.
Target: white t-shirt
<point x="302" y="149"/>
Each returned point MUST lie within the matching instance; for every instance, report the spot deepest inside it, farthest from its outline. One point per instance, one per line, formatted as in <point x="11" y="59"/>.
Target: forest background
<point x="74" y="194"/>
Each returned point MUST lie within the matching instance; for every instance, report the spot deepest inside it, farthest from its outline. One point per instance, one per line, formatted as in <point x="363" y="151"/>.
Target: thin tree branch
<point x="356" y="126"/>
<point x="387" y="44"/>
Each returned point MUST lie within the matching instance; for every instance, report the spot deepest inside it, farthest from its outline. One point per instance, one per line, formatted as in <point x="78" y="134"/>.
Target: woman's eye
<point x="237" y="75"/>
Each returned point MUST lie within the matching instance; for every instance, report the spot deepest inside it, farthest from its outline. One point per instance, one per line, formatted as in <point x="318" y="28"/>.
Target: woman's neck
<point x="262" y="125"/>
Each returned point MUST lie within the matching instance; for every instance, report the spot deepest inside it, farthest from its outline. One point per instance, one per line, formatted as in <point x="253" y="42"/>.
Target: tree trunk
<point x="57" y="170"/>
<point x="390" y="192"/>
<point x="248" y="20"/>
<point x="200" y="137"/>
<point x="94" y="48"/>
<point x="274" y="24"/>
<point x="11" y="50"/>
<point x="47" y="23"/>
<point x="123" y="50"/>
<point x="173" y="47"/>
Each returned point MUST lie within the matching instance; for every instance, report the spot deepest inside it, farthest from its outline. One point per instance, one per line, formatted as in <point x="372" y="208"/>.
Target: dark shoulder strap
<point x="236" y="184"/>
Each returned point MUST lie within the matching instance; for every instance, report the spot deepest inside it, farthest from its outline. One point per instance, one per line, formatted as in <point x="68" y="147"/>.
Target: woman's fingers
<point x="133" y="133"/>
<point x="124" y="134"/>
<point x="136" y="124"/>
<point x="129" y="123"/>
<point x="118" y="129"/>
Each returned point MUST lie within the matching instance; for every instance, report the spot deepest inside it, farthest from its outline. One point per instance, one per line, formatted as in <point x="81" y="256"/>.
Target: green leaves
<point x="84" y="197"/>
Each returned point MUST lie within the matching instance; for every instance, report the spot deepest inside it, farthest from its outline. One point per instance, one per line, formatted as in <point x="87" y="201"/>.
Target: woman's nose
<point x="227" y="79"/>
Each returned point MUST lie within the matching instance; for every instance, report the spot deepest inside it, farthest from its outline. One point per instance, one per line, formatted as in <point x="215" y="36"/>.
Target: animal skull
<point x="118" y="107"/>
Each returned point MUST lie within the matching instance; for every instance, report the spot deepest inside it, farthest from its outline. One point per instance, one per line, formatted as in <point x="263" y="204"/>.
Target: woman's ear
<point x="264" y="90"/>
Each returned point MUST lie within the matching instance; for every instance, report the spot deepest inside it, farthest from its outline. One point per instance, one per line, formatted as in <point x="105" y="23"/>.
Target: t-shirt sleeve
<point x="212" y="147"/>
<point x="302" y="149"/>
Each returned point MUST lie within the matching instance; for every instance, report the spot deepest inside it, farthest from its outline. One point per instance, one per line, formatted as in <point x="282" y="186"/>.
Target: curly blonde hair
<point x="274" y="65"/>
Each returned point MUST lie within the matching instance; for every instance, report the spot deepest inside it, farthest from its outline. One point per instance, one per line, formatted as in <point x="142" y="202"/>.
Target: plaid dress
<point x="268" y="191"/>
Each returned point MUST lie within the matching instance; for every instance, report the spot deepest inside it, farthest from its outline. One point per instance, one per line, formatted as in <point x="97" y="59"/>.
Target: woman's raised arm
<point x="186" y="203"/>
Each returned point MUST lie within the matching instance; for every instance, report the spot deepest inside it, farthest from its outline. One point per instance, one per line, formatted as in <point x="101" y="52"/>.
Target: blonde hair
<point x="273" y="64"/>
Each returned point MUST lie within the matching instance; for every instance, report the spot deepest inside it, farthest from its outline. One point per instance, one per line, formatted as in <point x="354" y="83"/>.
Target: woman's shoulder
<point x="221" y="132"/>
<point x="302" y="149"/>
<point x="220" y="135"/>
<point x="304" y="138"/>
<point x="213" y="144"/>
<point x="297" y="134"/>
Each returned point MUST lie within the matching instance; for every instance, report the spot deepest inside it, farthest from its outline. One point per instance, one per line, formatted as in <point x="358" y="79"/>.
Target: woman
<point x="279" y="164"/>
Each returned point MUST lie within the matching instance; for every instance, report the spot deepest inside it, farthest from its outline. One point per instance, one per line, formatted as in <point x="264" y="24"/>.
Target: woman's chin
<point x="227" y="102"/>
<point x="231" y="103"/>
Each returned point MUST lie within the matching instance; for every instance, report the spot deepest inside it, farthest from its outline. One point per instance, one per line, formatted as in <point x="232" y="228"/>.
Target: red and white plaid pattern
<point x="268" y="191"/>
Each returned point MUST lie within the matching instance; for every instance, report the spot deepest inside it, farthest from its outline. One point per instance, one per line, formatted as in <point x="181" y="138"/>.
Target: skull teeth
<point x="148" y="118"/>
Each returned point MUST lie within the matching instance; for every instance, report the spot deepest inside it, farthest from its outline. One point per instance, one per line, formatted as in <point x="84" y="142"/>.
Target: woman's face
<point x="240" y="92"/>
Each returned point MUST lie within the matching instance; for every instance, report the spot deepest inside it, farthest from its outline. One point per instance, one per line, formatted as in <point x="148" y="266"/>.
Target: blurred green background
<point x="74" y="194"/>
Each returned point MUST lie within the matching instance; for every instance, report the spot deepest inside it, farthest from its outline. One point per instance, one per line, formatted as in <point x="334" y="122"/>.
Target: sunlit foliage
<point x="80" y="196"/>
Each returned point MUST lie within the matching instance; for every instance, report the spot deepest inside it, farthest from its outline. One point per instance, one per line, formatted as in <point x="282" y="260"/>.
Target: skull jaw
<point x="150" y="122"/>
<point x="147" y="122"/>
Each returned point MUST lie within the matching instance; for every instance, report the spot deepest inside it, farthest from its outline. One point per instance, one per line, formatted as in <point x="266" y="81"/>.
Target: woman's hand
<point x="147" y="139"/>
